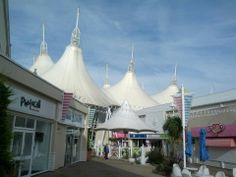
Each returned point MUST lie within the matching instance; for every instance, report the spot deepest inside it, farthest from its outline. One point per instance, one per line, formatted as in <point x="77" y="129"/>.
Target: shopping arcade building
<point x="42" y="139"/>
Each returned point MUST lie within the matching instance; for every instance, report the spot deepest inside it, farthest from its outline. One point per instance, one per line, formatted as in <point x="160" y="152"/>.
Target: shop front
<point x="219" y="123"/>
<point x="32" y="117"/>
<point x="71" y="137"/>
<point x="31" y="143"/>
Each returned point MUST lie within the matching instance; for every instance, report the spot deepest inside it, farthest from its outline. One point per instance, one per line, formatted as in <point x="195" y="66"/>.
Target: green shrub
<point x="125" y="153"/>
<point x="6" y="162"/>
<point x="136" y="152"/>
<point x="155" y="156"/>
<point x="164" y="168"/>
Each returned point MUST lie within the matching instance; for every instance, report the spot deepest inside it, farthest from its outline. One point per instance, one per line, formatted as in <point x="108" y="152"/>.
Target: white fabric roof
<point x="70" y="74"/>
<point x="166" y="95"/>
<point x="42" y="64"/>
<point x="155" y="116"/>
<point x="125" y="119"/>
<point x="129" y="89"/>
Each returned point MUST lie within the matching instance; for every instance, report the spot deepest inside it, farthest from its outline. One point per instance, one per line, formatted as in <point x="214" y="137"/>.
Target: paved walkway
<point x="98" y="167"/>
<point x="103" y="168"/>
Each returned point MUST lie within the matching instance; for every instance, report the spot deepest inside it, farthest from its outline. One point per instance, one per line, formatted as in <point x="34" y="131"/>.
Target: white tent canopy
<point x="129" y="89"/>
<point x="166" y="96"/>
<point x="43" y="62"/>
<point x="125" y="119"/>
<point x="70" y="75"/>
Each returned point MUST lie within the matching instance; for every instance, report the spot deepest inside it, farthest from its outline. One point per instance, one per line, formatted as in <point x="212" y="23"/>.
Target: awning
<point x="221" y="142"/>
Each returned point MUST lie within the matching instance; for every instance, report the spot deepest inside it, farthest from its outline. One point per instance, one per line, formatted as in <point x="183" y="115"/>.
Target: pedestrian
<point x="106" y="151"/>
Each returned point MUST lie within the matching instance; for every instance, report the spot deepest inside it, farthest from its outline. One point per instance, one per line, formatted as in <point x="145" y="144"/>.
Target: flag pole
<point x="183" y="124"/>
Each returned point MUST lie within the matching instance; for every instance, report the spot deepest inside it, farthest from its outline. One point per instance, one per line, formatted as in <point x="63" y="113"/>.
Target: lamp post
<point x="183" y="124"/>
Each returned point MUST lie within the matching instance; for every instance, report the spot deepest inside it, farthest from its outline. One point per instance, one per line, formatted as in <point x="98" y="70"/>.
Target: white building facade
<point x="42" y="139"/>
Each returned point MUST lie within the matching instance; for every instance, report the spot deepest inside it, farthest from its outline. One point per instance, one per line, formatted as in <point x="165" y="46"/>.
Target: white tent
<point x="166" y="95"/>
<point x="70" y="74"/>
<point x="43" y="62"/>
<point x="125" y="119"/>
<point x="129" y="89"/>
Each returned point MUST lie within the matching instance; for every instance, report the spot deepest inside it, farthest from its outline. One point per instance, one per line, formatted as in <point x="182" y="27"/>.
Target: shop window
<point x="20" y="122"/>
<point x="24" y="122"/>
<point x="41" y="153"/>
<point x="30" y="123"/>
<point x="39" y="136"/>
<point x="17" y="143"/>
<point x="28" y="144"/>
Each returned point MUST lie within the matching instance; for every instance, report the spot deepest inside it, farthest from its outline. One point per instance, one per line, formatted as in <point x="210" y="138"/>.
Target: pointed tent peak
<point x="132" y="52"/>
<point x="75" y="36"/>
<point x="125" y="106"/>
<point x="106" y="82"/>
<point x="174" y="80"/>
<point x="131" y="67"/>
<point x="34" y="59"/>
<point x="185" y="91"/>
<point x="43" y="46"/>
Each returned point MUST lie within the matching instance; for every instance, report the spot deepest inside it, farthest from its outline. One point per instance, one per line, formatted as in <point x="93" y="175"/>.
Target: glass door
<point x="69" y="146"/>
<point x="22" y="147"/>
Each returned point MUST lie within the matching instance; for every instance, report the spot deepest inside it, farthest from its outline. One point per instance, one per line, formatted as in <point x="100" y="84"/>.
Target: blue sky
<point x="197" y="35"/>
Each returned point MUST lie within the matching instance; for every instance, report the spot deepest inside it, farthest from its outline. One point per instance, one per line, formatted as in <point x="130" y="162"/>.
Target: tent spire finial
<point x="174" y="80"/>
<point x="132" y="63"/>
<point x="43" y="45"/>
<point x="75" y="36"/>
<point x="106" y="82"/>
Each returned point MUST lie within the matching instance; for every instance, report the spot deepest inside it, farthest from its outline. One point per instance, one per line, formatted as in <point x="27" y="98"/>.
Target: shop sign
<point x="75" y="118"/>
<point x="215" y="128"/>
<point x="137" y="136"/>
<point x="153" y="136"/>
<point x="32" y="104"/>
<point x="119" y="135"/>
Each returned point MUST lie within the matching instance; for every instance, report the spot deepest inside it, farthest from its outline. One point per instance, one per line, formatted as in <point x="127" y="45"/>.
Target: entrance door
<point x="22" y="148"/>
<point x="69" y="146"/>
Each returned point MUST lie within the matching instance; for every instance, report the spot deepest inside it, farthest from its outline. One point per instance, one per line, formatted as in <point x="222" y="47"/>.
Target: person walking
<point x="106" y="151"/>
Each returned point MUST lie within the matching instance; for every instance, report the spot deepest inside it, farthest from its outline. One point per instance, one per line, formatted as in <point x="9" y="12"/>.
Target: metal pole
<point x="183" y="124"/>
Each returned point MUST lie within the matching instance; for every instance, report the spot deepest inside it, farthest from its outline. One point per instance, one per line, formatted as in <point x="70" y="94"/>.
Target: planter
<point x="131" y="160"/>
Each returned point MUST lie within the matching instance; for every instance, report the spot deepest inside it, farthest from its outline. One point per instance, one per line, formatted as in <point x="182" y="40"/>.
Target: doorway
<point x="22" y="148"/>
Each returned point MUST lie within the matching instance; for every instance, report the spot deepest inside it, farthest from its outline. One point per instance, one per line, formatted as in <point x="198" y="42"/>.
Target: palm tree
<point x="173" y="126"/>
